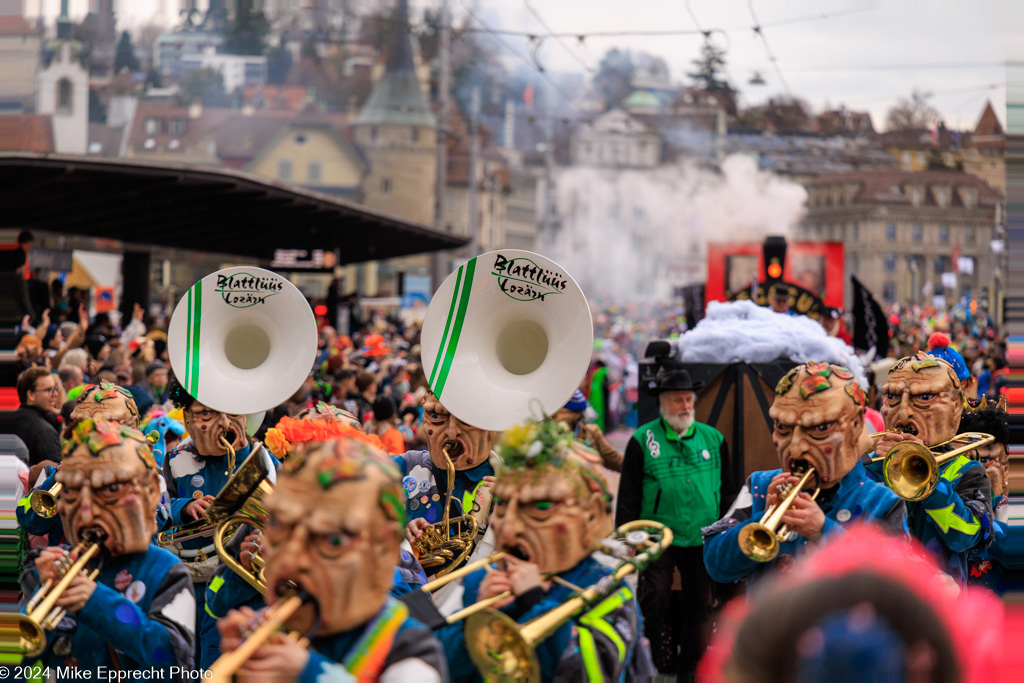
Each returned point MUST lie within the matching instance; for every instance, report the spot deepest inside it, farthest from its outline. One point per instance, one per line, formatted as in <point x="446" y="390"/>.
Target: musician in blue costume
<point x="818" y="416"/>
<point x="923" y="403"/>
<point x="96" y="401"/>
<point x="335" y="522"/>
<point x="551" y="511"/>
<point x="989" y="566"/>
<point x="227" y="590"/>
<point x="425" y="474"/>
<point x="195" y="472"/>
<point x="139" y="612"/>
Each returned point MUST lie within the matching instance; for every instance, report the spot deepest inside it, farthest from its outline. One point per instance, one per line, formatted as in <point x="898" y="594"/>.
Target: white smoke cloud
<point x="633" y="234"/>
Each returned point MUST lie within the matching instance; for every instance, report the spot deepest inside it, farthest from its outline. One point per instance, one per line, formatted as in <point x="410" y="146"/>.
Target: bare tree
<point x="912" y="112"/>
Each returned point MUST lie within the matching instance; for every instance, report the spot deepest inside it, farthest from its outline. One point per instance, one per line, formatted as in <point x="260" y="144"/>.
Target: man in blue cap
<point x="573" y="414"/>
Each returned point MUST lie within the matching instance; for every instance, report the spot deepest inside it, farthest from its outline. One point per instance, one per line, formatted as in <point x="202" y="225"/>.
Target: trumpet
<point x="242" y="494"/>
<point x="911" y="469"/>
<point x="41" y="613"/>
<point x="438" y="546"/>
<point x="760" y="540"/>
<point x="44" y="501"/>
<point x="273" y="618"/>
<point x="502" y="648"/>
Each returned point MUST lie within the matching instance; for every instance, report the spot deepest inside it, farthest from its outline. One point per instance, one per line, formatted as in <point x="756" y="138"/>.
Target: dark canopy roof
<point x="214" y="210"/>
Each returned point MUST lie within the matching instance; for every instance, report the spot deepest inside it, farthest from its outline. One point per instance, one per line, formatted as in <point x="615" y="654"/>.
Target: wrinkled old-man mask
<point x="922" y="396"/>
<point x="818" y="418"/>
<point x="110" y="485"/>
<point x="468" y="446"/>
<point x="335" y="522"/>
<point x="104" y="400"/>
<point x="206" y="426"/>
<point x="550" y="507"/>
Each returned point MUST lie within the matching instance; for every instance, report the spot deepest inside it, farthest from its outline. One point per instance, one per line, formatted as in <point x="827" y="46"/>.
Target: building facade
<point x="909" y="236"/>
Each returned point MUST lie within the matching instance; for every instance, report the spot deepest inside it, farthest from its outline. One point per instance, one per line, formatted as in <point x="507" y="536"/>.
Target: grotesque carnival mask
<point x="207" y="426"/>
<point x="335" y="522"/>
<point x="551" y="507"/>
<point x="922" y="396"/>
<point x="467" y="446"/>
<point x="111" y="486"/>
<point x="819" y="421"/>
<point x="325" y="411"/>
<point x="103" y="401"/>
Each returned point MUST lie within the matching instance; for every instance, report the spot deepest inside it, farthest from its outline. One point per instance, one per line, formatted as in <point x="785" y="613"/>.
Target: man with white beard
<point x="672" y="473"/>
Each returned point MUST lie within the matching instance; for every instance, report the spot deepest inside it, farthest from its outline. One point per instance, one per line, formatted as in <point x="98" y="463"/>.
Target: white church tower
<point x="62" y="91"/>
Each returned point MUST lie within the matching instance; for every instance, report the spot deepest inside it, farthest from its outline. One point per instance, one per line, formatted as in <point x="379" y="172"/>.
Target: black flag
<point x="870" y="327"/>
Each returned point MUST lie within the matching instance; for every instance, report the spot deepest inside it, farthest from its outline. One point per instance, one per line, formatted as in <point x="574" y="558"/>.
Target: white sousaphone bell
<point x="242" y="340"/>
<point x="506" y="337"/>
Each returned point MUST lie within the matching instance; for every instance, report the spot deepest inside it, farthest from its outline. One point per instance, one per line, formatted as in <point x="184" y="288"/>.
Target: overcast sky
<point x="862" y="53"/>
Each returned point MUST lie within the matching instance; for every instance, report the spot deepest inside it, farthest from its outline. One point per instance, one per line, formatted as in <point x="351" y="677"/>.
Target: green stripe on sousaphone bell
<point x="195" y="315"/>
<point x="447" y="327"/>
<point x="460" y="319"/>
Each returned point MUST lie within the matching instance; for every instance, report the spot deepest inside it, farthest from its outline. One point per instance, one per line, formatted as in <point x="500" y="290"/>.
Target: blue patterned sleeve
<point x="723" y="558"/>
<point x="163" y="637"/>
<point x="960" y="508"/>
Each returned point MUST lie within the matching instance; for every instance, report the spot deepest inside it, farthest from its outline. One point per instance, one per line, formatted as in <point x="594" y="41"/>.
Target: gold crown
<point x="984" y="404"/>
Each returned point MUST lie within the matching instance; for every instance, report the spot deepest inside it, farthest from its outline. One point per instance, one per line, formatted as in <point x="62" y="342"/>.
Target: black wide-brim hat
<point x="677" y="380"/>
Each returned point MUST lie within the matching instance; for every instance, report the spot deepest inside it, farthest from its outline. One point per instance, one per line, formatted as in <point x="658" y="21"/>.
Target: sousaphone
<point x="506" y="337"/>
<point x="242" y="340"/>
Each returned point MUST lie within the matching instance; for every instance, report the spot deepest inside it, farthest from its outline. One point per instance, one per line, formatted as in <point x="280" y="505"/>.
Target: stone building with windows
<point x="903" y="230"/>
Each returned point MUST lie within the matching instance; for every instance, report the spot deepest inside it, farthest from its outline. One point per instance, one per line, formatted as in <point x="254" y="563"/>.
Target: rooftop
<point x="211" y="210"/>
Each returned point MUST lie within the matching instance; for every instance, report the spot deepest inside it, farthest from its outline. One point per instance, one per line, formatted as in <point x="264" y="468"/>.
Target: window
<point x="917" y="234"/>
<point x="152" y="126"/>
<point x="915" y="195"/>
<point x="889" y="292"/>
<point x="385" y="185"/>
<point x="890" y="262"/>
<point x="177" y="127"/>
<point x="64" y="93"/>
<point x="853" y="229"/>
<point x="415" y="135"/>
<point x="941" y="265"/>
<point x="284" y="170"/>
<point x="906" y="160"/>
<point x="373" y="134"/>
<point x="313" y="172"/>
<point x="300" y="139"/>
<point x="970" y="196"/>
<point x="942" y="197"/>
<point x="972" y="236"/>
<point x="944" y="234"/>
<point x="890" y="232"/>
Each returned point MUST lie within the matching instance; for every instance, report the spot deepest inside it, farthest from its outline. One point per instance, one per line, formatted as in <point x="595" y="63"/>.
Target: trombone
<point x="272" y="619"/>
<point x="437" y="546"/>
<point x="41" y="613"/>
<point x="760" y="540"/>
<point x="502" y="648"/>
<point x="44" y="501"/>
<point x="253" y="577"/>
<point x="911" y="469"/>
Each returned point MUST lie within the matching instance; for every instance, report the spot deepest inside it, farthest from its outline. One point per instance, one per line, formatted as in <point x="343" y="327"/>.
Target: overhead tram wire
<point x="532" y="63"/>
<point x="759" y="30"/>
<point x="572" y="53"/>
